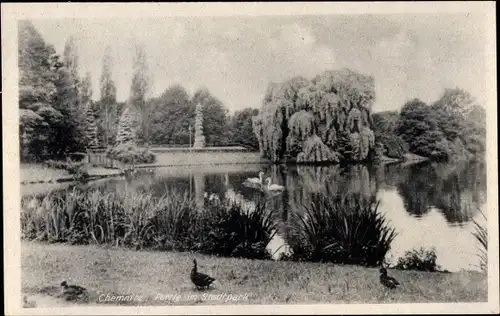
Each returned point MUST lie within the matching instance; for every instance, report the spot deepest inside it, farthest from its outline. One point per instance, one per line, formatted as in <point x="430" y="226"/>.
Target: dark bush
<point x="129" y="153"/>
<point x="420" y="260"/>
<point x="346" y="229"/>
<point x="395" y="147"/>
<point x="233" y="230"/>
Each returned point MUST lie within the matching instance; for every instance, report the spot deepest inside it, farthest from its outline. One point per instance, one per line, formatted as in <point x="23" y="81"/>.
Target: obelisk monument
<point x="199" y="139"/>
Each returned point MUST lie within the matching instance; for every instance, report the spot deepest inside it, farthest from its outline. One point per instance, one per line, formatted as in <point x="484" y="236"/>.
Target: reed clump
<point x="233" y="229"/>
<point x="345" y="229"/>
<point x="139" y="220"/>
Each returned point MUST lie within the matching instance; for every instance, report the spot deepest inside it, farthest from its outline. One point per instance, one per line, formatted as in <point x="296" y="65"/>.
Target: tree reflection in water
<point x="456" y="190"/>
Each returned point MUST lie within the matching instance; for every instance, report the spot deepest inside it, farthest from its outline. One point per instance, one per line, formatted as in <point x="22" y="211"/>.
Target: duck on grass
<point x="121" y="271"/>
<point x="200" y="280"/>
<point x="74" y="292"/>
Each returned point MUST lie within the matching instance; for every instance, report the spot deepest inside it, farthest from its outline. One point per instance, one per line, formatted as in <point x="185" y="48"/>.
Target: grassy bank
<point x="40" y="173"/>
<point x="105" y="270"/>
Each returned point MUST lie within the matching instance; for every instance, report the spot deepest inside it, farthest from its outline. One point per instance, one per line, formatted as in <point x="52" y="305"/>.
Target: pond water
<point x="428" y="204"/>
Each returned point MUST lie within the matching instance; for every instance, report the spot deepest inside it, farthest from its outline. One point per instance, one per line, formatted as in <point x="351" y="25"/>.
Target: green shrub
<point x="420" y="260"/>
<point x="130" y="153"/>
<point x="395" y="147"/>
<point x="234" y="230"/>
<point x="348" y="230"/>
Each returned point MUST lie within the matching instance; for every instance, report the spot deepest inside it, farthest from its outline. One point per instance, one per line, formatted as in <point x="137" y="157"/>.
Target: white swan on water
<point x="256" y="180"/>
<point x="274" y="187"/>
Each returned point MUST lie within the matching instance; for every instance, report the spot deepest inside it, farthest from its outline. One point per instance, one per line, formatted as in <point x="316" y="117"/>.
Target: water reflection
<point x="428" y="203"/>
<point x="457" y="191"/>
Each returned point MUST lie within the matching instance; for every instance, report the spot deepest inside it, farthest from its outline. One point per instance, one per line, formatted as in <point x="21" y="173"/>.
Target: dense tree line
<point x="58" y="115"/>
<point x="175" y="112"/>
<point x="326" y="119"/>
<point x="329" y="119"/>
<point x="391" y="144"/>
<point x="241" y="129"/>
<point x="452" y="128"/>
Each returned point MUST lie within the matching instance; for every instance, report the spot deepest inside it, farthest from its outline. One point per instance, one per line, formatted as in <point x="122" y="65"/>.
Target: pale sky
<point x="410" y="56"/>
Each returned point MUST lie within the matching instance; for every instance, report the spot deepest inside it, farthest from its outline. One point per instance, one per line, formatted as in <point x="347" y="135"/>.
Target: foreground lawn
<point x="162" y="278"/>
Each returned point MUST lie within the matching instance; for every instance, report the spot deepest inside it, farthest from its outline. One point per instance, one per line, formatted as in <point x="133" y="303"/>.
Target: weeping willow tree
<point x="326" y="119"/>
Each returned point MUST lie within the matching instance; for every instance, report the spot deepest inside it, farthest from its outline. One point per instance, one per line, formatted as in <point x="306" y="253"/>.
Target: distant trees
<point x="89" y="119"/>
<point x="463" y="123"/>
<point x="384" y="127"/>
<point x="71" y="92"/>
<point x="141" y="83"/>
<point x="241" y="130"/>
<point x="326" y="119"/>
<point x="452" y="128"/>
<point x="126" y="132"/>
<point x="174" y="112"/>
<point x="106" y="108"/>
<point x="418" y="128"/>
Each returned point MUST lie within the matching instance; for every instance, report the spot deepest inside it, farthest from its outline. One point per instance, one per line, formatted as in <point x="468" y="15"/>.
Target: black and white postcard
<point x="250" y="158"/>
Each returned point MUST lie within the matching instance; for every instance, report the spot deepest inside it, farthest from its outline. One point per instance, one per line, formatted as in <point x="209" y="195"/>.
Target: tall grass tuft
<point x="346" y="229"/>
<point x="233" y="229"/>
<point x="175" y="222"/>
<point x="122" y="219"/>
<point x="481" y="235"/>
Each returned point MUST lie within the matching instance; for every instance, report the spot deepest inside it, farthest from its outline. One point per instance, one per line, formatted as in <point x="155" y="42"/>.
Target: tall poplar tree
<point x="107" y="107"/>
<point x="141" y="83"/>
<point x="70" y="92"/>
